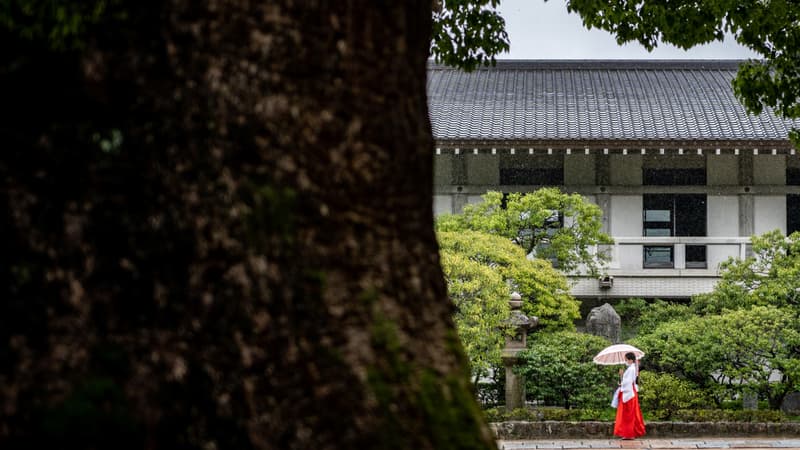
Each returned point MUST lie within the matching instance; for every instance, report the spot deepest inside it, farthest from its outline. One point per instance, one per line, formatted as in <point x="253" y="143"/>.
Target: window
<point x="792" y="213"/>
<point x="674" y="215"/>
<point x="531" y="170"/>
<point x="674" y="177"/>
<point x="529" y="176"/>
<point x="658" y="257"/>
<point x="793" y="176"/>
<point x="695" y="256"/>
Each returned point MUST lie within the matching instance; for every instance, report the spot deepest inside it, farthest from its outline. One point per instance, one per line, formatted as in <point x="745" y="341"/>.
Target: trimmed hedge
<point x="520" y="430"/>
<point x="607" y="415"/>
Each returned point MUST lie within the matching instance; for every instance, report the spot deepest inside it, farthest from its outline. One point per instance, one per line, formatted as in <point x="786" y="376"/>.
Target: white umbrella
<point x="615" y="354"/>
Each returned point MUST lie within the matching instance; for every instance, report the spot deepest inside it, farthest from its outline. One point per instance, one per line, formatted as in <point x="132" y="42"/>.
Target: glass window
<point x="653" y="231"/>
<point x="658" y="257"/>
<point x="658" y="215"/>
<point x="674" y="177"/>
<point x="690" y="215"/>
<point x="793" y="176"/>
<point x="674" y="215"/>
<point x="695" y="256"/>
<point x="792" y="213"/>
<point x="681" y="214"/>
<point x="530" y="176"/>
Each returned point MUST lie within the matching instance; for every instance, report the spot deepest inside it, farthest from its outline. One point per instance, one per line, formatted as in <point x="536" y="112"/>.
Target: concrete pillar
<point x="459" y="201"/>
<point x="604" y="202"/>
<point x="746" y="215"/>
<point x="679" y="256"/>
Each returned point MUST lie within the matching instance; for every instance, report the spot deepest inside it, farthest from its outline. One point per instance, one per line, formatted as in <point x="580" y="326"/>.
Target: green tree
<point x="771" y="276"/>
<point x="561" y="227"/>
<point x="480" y="295"/>
<point x="217" y="229"/>
<point x="544" y="290"/>
<point x="467" y="33"/>
<point x="558" y="369"/>
<point x="730" y="353"/>
<point x="659" y="312"/>
<point x="207" y="183"/>
<point x="769" y="28"/>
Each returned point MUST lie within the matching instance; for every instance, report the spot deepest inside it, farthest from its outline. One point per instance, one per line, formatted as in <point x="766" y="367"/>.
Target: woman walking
<point x="629" y="423"/>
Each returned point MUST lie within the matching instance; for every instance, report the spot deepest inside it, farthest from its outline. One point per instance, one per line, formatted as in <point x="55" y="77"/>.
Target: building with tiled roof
<point x="683" y="174"/>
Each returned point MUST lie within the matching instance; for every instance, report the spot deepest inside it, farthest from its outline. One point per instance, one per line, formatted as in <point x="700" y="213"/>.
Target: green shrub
<point x="721" y="415"/>
<point x="731" y="405"/>
<point x="667" y="394"/>
<point x="608" y="414"/>
<point x="548" y="413"/>
<point x="660" y="312"/>
<point x="492" y="393"/>
<point x="630" y="309"/>
<point x="559" y="370"/>
<point x="719" y="352"/>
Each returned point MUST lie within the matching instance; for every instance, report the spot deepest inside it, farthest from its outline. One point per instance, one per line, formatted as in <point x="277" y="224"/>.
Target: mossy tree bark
<point x="217" y="232"/>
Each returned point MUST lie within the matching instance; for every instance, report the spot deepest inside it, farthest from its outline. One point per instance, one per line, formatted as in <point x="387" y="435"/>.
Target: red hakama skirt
<point x="629" y="423"/>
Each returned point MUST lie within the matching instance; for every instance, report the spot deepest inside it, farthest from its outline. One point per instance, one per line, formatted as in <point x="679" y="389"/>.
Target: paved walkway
<point x="664" y="443"/>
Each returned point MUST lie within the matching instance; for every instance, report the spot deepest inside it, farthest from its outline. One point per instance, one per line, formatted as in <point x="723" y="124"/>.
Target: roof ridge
<point x="605" y="64"/>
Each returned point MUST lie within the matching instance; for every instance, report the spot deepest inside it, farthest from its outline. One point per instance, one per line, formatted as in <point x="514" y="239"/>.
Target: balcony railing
<point x="723" y="248"/>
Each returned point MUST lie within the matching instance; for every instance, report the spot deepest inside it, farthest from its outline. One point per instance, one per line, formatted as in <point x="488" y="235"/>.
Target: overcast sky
<point x="539" y="30"/>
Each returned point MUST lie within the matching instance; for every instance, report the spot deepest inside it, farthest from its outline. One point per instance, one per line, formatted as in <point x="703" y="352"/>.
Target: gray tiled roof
<point x="595" y="100"/>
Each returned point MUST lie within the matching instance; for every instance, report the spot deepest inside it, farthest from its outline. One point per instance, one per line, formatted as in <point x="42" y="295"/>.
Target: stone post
<point x="750" y="401"/>
<point x="515" y="384"/>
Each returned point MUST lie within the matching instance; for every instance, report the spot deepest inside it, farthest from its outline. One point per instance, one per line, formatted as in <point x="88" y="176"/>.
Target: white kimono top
<point x="629" y="383"/>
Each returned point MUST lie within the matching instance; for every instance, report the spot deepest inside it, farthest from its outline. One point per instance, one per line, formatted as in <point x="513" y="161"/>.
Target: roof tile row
<point x="595" y="100"/>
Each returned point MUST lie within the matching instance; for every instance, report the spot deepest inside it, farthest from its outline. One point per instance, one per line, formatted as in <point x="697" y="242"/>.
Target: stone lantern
<point x="515" y="384"/>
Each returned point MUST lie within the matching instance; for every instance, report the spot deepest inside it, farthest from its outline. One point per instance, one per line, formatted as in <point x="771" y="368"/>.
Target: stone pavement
<point x="653" y="444"/>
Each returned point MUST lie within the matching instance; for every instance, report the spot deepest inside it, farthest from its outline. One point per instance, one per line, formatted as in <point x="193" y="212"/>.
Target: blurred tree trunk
<point x="217" y="232"/>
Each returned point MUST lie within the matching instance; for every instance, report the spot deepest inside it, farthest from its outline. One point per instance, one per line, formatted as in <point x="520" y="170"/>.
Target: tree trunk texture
<point x="217" y="233"/>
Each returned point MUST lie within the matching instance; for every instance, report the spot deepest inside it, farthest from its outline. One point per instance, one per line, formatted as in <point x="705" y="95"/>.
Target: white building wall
<point x="473" y="199"/>
<point x="649" y="286"/>
<point x="769" y="213"/>
<point x="442" y="204"/>
<point x="626" y="215"/>
<point x="626" y="220"/>
<point x="723" y="221"/>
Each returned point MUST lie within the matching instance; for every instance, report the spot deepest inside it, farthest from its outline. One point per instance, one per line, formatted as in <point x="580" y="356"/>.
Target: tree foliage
<point x="667" y="394"/>
<point x="730" y="353"/>
<point x="480" y="295"/>
<point x="61" y="24"/>
<point x="468" y="33"/>
<point x="558" y="369"/>
<point x="532" y="221"/>
<point x="659" y="312"/>
<point x="544" y="291"/>
<point x="771" y="276"/>
<point x="769" y="28"/>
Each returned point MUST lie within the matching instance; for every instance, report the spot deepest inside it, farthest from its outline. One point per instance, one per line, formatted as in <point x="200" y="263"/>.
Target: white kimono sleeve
<point x="628" y="383"/>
